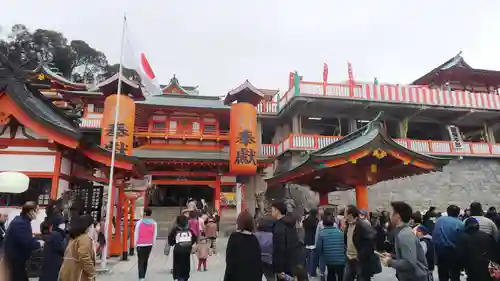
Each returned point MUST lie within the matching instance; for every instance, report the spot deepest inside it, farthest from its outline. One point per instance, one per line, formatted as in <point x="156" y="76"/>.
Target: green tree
<point x="128" y="73"/>
<point x="76" y="60"/>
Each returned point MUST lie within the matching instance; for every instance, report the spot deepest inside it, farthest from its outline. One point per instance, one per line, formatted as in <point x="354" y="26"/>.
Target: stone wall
<point x="461" y="182"/>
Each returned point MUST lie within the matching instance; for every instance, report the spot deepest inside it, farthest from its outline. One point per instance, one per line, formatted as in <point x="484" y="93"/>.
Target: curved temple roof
<point x="32" y="102"/>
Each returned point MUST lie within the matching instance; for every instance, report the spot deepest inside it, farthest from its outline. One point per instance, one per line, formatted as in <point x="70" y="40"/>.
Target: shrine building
<point x="183" y="144"/>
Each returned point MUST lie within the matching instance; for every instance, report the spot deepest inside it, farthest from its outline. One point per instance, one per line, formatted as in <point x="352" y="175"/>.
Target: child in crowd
<point x="299" y="274"/>
<point x="202" y="253"/>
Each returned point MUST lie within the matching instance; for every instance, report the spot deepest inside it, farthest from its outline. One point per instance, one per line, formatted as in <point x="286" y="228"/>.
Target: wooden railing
<point x="268" y="149"/>
<point x="176" y="133"/>
<point x="437" y="148"/>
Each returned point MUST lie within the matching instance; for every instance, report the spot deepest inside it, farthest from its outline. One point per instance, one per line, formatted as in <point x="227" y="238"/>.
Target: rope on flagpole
<point x="111" y="188"/>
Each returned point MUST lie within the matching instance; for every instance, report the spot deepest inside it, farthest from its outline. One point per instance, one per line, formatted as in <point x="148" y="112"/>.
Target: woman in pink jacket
<point x="146" y="231"/>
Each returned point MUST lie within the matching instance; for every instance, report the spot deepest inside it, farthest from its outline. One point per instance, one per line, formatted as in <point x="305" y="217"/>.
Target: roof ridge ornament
<point x="376" y="121"/>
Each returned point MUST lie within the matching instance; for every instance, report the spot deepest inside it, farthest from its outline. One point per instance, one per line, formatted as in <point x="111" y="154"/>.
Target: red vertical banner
<point x="325" y="77"/>
<point x="290" y="80"/>
<point x="351" y="79"/>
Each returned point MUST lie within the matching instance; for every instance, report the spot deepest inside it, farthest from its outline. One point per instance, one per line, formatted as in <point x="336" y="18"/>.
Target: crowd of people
<point x="355" y="244"/>
<point x="68" y="252"/>
<point x="345" y="245"/>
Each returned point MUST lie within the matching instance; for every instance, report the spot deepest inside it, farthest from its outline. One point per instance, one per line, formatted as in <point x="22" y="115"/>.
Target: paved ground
<point x="157" y="271"/>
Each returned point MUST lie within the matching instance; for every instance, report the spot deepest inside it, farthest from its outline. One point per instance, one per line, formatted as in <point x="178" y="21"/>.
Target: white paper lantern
<point x="14" y="182"/>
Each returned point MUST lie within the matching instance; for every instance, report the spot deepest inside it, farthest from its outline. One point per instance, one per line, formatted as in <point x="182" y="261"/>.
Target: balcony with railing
<point x="436" y="148"/>
<point x="392" y="93"/>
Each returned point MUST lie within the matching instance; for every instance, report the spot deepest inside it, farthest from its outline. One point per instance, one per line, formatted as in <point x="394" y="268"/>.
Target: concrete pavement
<point x="157" y="267"/>
<point x="157" y="271"/>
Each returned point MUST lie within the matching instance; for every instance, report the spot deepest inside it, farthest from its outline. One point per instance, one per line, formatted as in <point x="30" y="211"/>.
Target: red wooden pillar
<point x="132" y="226"/>
<point x="125" y="229"/>
<point x="217" y="190"/>
<point x="323" y="198"/>
<point x="362" y="197"/>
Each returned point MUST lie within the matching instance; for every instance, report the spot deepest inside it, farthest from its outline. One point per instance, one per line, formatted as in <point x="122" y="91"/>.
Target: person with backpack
<point x="145" y="235"/>
<point x="182" y="239"/>
<point x="264" y="235"/>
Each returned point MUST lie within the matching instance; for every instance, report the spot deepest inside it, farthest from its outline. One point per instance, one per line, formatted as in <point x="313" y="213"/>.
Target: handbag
<point x="166" y="250"/>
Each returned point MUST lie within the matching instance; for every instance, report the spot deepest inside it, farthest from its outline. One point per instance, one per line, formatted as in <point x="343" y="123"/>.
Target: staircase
<point x="165" y="218"/>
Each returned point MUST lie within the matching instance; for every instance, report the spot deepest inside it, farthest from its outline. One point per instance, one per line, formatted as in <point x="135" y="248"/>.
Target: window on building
<point x="210" y="129"/>
<point x="98" y="108"/>
<point x="38" y="191"/>
<point x="159" y="126"/>
<point x="159" y="123"/>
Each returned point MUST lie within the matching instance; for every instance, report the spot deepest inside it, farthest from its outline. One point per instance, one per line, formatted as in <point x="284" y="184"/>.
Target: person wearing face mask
<point x="53" y="251"/>
<point x="79" y="257"/>
<point x="19" y="242"/>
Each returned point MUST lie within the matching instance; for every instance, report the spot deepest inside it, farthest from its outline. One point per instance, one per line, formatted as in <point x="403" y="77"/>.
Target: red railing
<point x="177" y="133"/>
<point x="445" y="148"/>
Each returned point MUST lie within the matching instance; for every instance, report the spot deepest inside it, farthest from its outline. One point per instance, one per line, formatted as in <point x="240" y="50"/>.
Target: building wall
<point x="26" y="159"/>
<point x="460" y="183"/>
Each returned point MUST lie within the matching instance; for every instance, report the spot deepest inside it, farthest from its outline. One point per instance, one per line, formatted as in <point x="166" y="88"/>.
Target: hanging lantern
<point x="14" y="182"/>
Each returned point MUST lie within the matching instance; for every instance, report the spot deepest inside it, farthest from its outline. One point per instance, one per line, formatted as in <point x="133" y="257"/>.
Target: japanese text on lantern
<point x="125" y="124"/>
<point x="243" y="139"/>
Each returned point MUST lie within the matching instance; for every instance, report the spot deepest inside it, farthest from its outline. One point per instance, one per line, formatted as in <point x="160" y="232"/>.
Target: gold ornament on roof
<point x="379" y="153"/>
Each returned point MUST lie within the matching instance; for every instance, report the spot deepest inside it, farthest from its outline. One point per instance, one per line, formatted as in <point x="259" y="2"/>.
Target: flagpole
<point x="111" y="188"/>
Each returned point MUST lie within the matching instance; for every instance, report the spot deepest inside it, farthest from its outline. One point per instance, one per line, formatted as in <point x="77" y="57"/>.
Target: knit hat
<point x="280" y="206"/>
<point x="423" y="229"/>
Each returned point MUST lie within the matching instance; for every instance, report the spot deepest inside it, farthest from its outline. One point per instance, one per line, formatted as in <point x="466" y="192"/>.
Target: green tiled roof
<point x="185" y="101"/>
<point x="201" y="155"/>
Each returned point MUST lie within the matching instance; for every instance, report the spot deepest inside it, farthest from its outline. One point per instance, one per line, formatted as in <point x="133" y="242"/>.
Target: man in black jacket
<point x="286" y="245"/>
<point x="362" y="262"/>
<point x="310" y="224"/>
<point x="19" y="242"/>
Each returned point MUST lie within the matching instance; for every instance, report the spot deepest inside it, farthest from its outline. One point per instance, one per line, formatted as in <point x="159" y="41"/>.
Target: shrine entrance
<point x="177" y="195"/>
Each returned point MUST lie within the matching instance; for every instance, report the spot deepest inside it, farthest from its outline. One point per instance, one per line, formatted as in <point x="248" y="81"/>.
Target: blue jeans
<point x="322" y="266"/>
<point x="311" y="262"/>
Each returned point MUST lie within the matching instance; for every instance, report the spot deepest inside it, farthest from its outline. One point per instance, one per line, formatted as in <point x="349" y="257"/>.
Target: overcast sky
<point x="217" y="44"/>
